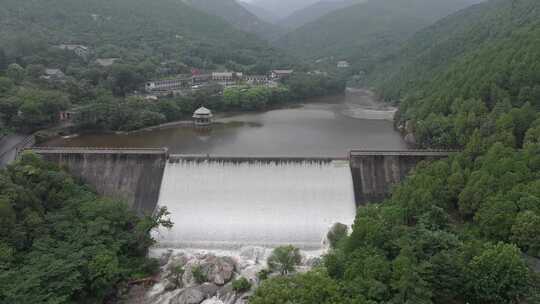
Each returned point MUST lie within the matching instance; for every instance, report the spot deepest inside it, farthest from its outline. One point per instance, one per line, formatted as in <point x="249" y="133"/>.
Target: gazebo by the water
<point x="202" y="117"/>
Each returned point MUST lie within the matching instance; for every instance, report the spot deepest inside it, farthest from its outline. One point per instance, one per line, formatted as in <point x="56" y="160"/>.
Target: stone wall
<point x="132" y="175"/>
<point x="375" y="172"/>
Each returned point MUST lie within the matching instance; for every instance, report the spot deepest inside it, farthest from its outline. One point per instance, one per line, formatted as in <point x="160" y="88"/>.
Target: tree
<point x="241" y="285"/>
<point x="198" y="274"/>
<point x="409" y="281"/>
<point x="3" y="60"/>
<point x="284" y="259"/>
<point x="526" y="232"/>
<point x="314" y="287"/>
<point x="497" y="275"/>
<point x="15" y="72"/>
<point x="177" y="272"/>
<point x="337" y="233"/>
<point x="76" y="246"/>
<point x="6" y="84"/>
<point x="124" y="79"/>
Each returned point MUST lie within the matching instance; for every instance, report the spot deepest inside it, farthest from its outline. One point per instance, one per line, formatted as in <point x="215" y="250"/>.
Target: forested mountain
<point x="368" y="30"/>
<point x="452" y="75"/>
<point x="237" y="15"/>
<point x="283" y="8"/>
<point x="315" y="11"/>
<point x="464" y="229"/>
<point x="128" y="29"/>
<point x="260" y="12"/>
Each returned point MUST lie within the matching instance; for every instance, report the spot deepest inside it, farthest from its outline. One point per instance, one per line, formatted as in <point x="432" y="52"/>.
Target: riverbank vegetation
<point x="465" y="229"/>
<point x="61" y="243"/>
<point x="109" y="113"/>
<point x="69" y="53"/>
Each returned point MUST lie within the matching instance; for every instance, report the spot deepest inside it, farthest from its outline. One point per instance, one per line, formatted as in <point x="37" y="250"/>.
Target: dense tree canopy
<point x="60" y="243"/>
<point x="457" y="230"/>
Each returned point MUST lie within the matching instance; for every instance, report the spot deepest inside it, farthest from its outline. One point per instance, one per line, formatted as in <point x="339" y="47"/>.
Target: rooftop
<point x="202" y="111"/>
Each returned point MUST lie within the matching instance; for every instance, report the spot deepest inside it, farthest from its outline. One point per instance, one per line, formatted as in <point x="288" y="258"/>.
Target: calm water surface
<point x="329" y="126"/>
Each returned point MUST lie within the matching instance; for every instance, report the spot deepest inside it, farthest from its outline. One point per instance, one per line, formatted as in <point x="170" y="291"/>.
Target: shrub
<point x="199" y="275"/>
<point x="336" y="234"/>
<point x="241" y="285"/>
<point x="284" y="259"/>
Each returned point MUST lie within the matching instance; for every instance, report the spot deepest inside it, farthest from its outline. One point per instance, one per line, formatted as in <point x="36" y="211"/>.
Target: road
<point x="7" y="145"/>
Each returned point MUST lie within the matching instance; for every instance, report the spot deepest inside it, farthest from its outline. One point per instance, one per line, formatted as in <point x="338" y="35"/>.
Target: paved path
<point x="7" y="145"/>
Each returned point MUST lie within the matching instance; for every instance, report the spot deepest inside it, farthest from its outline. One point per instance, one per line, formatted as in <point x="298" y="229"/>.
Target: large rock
<point x="213" y="301"/>
<point x="190" y="295"/>
<point x="218" y="270"/>
<point x="208" y="290"/>
<point x="227" y="294"/>
<point x="164" y="258"/>
<point x="179" y="260"/>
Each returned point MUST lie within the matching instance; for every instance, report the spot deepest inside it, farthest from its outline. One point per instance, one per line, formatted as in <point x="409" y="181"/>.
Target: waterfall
<point x="220" y="204"/>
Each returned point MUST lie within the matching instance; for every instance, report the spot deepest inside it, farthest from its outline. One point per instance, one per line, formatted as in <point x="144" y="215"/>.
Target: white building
<point x="281" y="74"/>
<point x="256" y="79"/>
<point x="168" y="85"/>
<point x="105" y="62"/>
<point x="343" y="64"/>
<point x="53" y="75"/>
<point x="78" y="49"/>
<point x="202" y="117"/>
<point x="227" y="78"/>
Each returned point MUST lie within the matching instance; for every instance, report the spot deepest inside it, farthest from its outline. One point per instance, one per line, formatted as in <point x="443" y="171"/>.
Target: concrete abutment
<point x="135" y="175"/>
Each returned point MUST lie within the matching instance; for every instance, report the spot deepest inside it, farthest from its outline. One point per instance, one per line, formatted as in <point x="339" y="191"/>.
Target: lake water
<point x="329" y="126"/>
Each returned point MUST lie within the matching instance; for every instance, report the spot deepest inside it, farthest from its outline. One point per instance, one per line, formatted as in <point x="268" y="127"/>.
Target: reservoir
<point x="328" y="126"/>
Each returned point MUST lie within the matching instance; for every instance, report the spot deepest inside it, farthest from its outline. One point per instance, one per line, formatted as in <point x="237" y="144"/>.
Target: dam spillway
<point x="230" y="203"/>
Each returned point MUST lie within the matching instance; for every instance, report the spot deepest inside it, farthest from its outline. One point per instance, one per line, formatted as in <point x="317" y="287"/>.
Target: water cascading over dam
<point x="230" y="203"/>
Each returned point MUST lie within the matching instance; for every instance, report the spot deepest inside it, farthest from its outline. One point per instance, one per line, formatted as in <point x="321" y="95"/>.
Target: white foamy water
<point x="226" y="205"/>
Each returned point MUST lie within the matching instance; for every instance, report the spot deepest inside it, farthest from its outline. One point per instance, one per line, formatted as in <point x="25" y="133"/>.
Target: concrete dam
<point x="229" y="202"/>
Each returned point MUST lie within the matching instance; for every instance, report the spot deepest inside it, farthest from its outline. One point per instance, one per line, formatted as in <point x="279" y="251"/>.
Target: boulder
<point x="208" y="289"/>
<point x="410" y="139"/>
<point x="169" y="285"/>
<point x="164" y="258"/>
<point x="212" y="301"/>
<point x="177" y="260"/>
<point x="218" y="270"/>
<point x="188" y="296"/>
<point x="226" y="293"/>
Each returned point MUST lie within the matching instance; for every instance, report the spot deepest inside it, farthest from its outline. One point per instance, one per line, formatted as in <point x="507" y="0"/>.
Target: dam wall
<point x="131" y="175"/>
<point x="227" y="203"/>
<point x="375" y="172"/>
<point x="136" y="175"/>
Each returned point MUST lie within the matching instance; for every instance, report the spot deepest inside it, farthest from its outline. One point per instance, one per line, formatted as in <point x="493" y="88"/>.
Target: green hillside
<point x="466" y="71"/>
<point x="238" y="16"/>
<point x="314" y="12"/>
<point x="365" y="31"/>
<point x="463" y="230"/>
<point x="169" y="29"/>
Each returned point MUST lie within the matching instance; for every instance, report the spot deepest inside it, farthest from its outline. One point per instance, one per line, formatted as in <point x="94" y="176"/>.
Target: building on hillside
<point x="202" y="117"/>
<point x="169" y="85"/>
<point x="256" y="79"/>
<point x="53" y="75"/>
<point x="200" y="79"/>
<point x="281" y="74"/>
<point x="343" y="64"/>
<point x="227" y="78"/>
<point x="106" y="62"/>
<point x="78" y="49"/>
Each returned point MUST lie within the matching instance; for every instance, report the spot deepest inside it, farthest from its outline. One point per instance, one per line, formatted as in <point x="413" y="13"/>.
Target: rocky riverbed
<point x="218" y="268"/>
